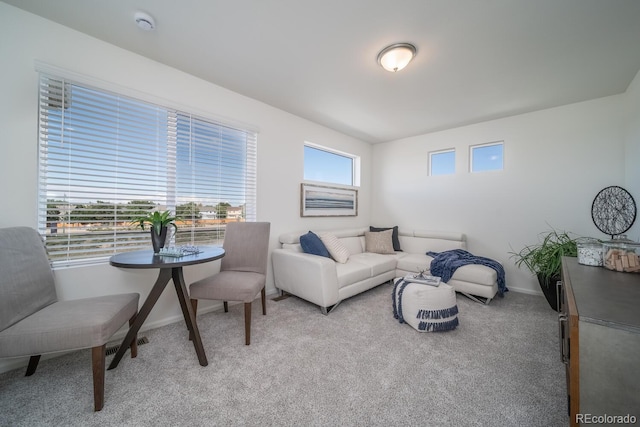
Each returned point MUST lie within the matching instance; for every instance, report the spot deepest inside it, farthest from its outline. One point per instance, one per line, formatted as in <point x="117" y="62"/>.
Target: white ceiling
<point x="477" y="59"/>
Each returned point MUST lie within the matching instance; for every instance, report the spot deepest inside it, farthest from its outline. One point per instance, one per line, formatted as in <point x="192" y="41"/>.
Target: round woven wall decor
<point x="613" y="210"/>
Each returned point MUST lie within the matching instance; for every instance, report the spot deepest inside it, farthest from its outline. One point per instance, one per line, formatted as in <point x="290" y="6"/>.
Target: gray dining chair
<point x="32" y="320"/>
<point x="243" y="270"/>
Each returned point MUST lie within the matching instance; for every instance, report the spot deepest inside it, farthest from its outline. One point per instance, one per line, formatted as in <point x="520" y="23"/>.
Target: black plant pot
<point x="548" y="286"/>
<point x="157" y="240"/>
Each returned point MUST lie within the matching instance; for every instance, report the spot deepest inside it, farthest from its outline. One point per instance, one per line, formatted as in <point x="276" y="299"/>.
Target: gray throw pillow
<point x="379" y="242"/>
<point x="394" y="237"/>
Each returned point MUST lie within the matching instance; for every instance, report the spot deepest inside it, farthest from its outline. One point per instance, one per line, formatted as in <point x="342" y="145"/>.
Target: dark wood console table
<point x="170" y="268"/>
<point x="600" y="341"/>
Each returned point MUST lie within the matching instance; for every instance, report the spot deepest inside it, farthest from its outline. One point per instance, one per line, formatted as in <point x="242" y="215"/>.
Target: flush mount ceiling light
<point x="395" y="57"/>
<point x="145" y="21"/>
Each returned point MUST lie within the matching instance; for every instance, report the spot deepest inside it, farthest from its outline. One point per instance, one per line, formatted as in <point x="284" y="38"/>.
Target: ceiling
<point x="477" y="59"/>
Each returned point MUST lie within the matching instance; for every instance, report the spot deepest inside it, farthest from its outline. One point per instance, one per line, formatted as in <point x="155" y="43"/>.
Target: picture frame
<point x="320" y="200"/>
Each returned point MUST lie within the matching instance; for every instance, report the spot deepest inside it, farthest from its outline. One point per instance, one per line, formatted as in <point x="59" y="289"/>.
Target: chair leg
<point x="226" y="306"/>
<point x="247" y="323"/>
<point x="33" y="365"/>
<point x="264" y="302"/>
<point x="98" y="365"/>
<point x="134" y="342"/>
<point x="194" y="305"/>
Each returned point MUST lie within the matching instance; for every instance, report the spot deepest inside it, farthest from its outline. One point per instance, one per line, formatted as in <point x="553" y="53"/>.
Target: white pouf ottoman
<point x="426" y="308"/>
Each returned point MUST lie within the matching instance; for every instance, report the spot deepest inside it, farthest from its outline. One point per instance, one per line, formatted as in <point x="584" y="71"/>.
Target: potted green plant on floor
<point x="159" y="223"/>
<point x="544" y="259"/>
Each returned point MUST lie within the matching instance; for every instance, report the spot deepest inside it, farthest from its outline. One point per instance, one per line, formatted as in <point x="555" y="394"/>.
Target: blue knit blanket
<point x="445" y="263"/>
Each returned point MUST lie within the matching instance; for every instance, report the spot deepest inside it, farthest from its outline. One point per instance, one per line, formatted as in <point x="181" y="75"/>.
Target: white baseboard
<point x="525" y="291"/>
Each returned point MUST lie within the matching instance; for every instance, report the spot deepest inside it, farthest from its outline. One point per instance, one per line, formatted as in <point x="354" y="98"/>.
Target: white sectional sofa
<point x="326" y="283"/>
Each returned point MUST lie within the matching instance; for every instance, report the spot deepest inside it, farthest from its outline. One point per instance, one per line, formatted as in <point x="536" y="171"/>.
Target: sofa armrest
<point x="310" y="277"/>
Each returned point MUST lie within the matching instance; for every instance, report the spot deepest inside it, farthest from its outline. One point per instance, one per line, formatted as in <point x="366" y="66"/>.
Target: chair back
<point x="246" y="246"/>
<point x="26" y="279"/>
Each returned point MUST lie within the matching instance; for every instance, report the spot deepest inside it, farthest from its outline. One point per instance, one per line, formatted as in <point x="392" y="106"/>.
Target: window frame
<point x="355" y="164"/>
<point x="248" y="160"/>
<point x="486" y="145"/>
<point x="437" y="152"/>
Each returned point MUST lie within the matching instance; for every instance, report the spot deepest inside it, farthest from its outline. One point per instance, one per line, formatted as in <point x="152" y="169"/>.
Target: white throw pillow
<point x="379" y="242"/>
<point x="338" y="251"/>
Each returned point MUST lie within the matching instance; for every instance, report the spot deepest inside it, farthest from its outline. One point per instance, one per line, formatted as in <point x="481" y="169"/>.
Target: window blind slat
<point x="105" y="158"/>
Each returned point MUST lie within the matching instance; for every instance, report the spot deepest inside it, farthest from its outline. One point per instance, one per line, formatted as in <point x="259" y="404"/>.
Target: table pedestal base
<point x="174" y="273"/>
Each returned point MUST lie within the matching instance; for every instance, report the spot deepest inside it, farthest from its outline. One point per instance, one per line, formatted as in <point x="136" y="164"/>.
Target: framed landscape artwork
<point x="317" y="200"/>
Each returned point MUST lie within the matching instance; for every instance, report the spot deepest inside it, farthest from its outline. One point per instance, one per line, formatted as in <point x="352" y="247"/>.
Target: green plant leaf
<point x="157" y="220"/>
<point x="545" y="258"/>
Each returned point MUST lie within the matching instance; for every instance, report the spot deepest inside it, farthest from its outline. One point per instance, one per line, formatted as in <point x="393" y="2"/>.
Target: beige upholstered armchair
<point x="32" y="320"/>
<point x="243" y="270"/>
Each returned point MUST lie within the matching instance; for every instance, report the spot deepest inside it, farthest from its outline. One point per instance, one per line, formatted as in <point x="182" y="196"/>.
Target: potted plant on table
<point x="545" y="260"/>
<point x="159" y="223"/>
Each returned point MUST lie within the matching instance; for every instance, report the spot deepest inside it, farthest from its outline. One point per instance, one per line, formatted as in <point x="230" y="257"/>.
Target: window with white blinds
<point x="105" y="159"/>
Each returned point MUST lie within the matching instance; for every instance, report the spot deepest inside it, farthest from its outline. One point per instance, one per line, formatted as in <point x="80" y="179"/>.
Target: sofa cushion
<point x="473" y="273"/>
<point x="414" y="262"/>
<point x="476" y="273"/>
<point x="293" y="247"/>
<point x="378" y="242"/>
<point x="338" y="251"/>
<point x="394" y="236"/>
<point x="379" y="264"/>
<point x="352" y="272"/>
<point x="354" y="244"/>
<point x="311" y="244"/>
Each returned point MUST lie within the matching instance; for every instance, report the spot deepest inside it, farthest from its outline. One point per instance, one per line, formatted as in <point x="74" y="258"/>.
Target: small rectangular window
<point x="442" y="162"/>
<point x="487" y="157"/>
<point x="325" y="165"/>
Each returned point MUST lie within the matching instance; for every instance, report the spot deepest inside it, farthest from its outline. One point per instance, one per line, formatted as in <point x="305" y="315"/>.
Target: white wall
<point x="632" y="149"/>
<point x="27" y="38"/>
<point x="555" y="162"/>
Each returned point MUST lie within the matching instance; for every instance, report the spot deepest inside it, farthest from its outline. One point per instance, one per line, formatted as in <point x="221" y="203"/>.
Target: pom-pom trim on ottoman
<point x="425" y="308"/>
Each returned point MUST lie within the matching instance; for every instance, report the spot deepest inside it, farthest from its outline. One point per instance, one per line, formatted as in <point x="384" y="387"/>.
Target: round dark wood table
<point x="170" y="268"/>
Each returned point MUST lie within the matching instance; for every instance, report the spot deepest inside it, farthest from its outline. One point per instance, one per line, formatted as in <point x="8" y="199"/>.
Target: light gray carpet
<point x="356" y="367"/>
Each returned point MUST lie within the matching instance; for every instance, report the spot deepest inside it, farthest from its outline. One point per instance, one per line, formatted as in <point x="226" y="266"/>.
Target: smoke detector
<point x="145" y="21"/>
